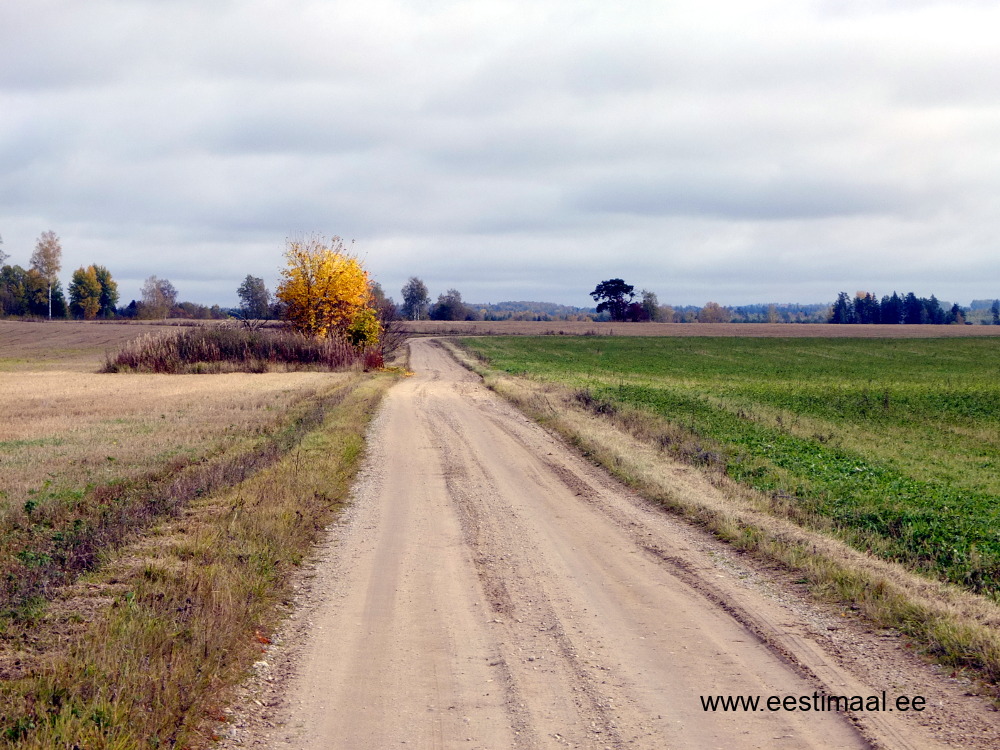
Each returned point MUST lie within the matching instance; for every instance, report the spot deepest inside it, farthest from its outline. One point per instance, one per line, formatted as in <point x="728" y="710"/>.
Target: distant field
<point x="750" y="330"/>
<point x="892" y="443"/>
<point x="66" y="344"/>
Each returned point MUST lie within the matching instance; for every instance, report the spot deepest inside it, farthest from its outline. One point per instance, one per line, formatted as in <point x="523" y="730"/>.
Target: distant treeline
<point x="863" y="308"/>
<point x="760" y="313"/>
<point x="909" y="309"/>
<point x="772" y="313"/>
<point x="25" y="293"/>
<point x="533" y="311"/>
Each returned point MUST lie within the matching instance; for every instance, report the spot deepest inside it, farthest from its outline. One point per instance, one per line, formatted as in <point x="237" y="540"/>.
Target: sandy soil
<point x="491" y="589"/>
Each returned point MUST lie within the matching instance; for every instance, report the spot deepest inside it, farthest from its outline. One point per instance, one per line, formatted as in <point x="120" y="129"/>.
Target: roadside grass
<point x="186" y="610"/>
<point x="87" y="460"/>
<point x="806" y="443"/>
<point x="148" y="525"/>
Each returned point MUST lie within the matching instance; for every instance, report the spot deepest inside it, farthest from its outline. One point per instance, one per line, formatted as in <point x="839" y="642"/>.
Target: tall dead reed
<point x="209" y="349"/>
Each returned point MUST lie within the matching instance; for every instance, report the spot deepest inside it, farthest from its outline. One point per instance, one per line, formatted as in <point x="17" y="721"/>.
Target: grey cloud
<point x="766" y="200"/>
<point x="535" y="147"/>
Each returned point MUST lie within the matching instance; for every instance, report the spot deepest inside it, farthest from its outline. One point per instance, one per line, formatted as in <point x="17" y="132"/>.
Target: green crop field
<point x="892" y="444"/>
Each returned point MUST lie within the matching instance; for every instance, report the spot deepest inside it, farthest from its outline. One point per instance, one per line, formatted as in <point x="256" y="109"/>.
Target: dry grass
<point x="751" y="330"/>
<point x="218" y="349"/>
<point x="87" y="428"/>
<point x="956" y="627"/>
<point x="188" y="498"/>
<point x="148" y="645"/>
<point x="88" y="459"/>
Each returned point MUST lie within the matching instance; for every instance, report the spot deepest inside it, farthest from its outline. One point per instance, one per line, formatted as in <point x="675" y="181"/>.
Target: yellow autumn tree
<point x="713" y="312"/>
<point x="85" y="293"/>
<point x="325" y="290"/>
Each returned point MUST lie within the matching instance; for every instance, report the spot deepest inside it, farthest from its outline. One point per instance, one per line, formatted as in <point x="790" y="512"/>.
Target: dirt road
<point x="490" y="589"/>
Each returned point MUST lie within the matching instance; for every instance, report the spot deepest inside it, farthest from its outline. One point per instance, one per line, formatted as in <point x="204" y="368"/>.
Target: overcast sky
<point x="729" y="150"/>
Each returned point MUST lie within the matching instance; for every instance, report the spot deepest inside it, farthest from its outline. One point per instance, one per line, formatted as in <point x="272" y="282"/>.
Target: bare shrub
<point x="597" y="405"/>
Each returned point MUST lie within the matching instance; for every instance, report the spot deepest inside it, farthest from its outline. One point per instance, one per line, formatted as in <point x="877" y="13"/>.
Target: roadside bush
<point x="228" y="349"/>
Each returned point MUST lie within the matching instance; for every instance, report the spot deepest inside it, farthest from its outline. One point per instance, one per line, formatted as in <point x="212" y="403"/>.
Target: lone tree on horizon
<point x="614" y="296"/>
<point x="327" y="292"/>
<point x="415" y="299"/>
<point x="158" y="298"/>
<point x="450" y="307"/>
<point x="47" y="260"/>
<point x="255" y="299"/>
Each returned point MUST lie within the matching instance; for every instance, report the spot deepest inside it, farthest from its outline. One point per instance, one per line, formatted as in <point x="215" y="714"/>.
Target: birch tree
<point x="47" y="260"/>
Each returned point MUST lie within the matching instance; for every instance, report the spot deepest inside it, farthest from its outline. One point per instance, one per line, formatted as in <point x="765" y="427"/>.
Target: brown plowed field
<point x="771" y="330"/>
<point x="70" y="344"/>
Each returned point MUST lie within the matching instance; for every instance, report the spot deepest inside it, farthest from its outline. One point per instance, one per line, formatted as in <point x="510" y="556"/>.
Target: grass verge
<point x="955" y="626"/>
<point x="97" y="462"/>
<point x="139" y="654"/>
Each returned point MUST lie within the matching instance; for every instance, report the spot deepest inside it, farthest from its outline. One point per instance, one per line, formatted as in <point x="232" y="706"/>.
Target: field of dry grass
<point x="751" y="330"/>
<point x="147" y="523"/>
<point x="63" y="432"/>
<point x="71" y="439"/>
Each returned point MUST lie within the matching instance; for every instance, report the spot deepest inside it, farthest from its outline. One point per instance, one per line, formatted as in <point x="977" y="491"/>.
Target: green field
<point x="893" y="444"/>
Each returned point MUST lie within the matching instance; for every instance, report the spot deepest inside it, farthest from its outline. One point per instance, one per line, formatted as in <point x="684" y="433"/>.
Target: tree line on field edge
<point x="93" y="293"/>
<point x="618" y="301"/>
<point x="909" y="309"/>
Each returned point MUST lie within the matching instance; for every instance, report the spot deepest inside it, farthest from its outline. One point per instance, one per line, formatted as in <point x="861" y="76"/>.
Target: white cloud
<point x="737" y="151"/>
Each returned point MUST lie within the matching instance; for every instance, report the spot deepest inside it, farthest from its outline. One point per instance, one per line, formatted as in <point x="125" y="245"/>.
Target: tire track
<point x="497" y="591"/>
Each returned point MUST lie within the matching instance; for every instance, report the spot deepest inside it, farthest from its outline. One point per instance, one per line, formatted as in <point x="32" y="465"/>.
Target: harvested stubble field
<point x="676" y="330"/>
<point x="889" y="445"/>
<point x="147" y="523"/>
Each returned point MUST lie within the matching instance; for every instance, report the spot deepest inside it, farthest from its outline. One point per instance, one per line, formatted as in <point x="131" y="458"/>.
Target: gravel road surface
<point x="491" y="589"/>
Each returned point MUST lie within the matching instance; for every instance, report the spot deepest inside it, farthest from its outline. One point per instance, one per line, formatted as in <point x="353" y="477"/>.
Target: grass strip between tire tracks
<point x="141" y="652"/>
<point x="957" y="628"/>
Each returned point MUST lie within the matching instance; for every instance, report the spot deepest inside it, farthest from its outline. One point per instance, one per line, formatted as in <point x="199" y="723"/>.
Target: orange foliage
<point x="713" y="312"/>
<point x="323" y="286"/>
